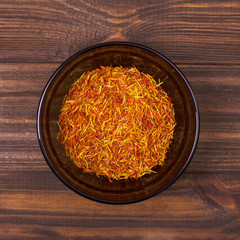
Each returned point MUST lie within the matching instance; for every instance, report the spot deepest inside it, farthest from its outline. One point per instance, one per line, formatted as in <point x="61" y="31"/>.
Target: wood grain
<point x="201" y="37"/>
<point x="185" y="31"/>
<point x="191" y="206"/>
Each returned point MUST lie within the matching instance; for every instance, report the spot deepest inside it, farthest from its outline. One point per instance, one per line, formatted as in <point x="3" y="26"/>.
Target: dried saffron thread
<point x="116" y="122"/>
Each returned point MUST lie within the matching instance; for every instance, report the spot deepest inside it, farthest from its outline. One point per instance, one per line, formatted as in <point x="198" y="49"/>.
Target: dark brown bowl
<point x="185" y="135"/>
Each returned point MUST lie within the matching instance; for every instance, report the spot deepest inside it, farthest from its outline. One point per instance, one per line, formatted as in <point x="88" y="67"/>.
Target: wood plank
<point x="184" y="31"/>
<point x="197" y="206"/>
<point x="20" y="181"/>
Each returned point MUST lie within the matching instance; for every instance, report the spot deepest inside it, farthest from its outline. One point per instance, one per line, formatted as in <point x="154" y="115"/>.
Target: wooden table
<point x="201" y="37"/>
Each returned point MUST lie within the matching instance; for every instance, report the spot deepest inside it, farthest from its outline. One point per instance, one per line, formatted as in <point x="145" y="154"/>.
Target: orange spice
<point x="116" y="122"/>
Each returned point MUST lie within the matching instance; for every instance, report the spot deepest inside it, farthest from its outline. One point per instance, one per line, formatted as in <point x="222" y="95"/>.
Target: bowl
<point x="185" y="134"/>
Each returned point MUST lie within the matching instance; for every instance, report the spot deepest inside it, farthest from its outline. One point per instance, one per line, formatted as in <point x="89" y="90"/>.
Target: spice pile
<point x="116" y="122"/>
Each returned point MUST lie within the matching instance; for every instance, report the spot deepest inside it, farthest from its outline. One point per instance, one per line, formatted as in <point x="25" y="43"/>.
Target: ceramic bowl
<point x="185" y="135"/>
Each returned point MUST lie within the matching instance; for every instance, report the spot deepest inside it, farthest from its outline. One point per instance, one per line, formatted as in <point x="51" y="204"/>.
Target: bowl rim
<point x="106" y="44"/>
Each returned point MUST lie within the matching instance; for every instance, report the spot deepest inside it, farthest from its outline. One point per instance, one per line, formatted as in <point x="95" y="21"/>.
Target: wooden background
<point x="201" y="37"/>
